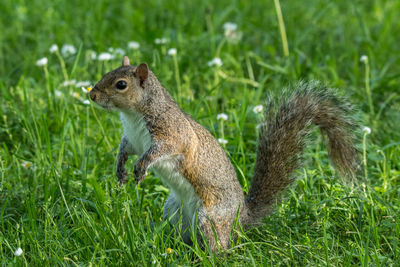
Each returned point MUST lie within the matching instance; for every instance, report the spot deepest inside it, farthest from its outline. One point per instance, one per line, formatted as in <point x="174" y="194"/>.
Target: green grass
<point x="67" y="208"/>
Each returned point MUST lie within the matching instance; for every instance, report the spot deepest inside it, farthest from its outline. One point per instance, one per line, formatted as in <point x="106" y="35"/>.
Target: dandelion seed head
<point x="68" y="49"/>
<point x="41" y="62"/>
<point x="222" y="116"/>
<point x="222" y="141"/>
<point x="18" y="252"/>
<point x="119" y="52"/>
<point x="53" y="48"/>
<point x="161" y="40"/>
<point x="230" y="26"/>
<point x="367" y="130"/>
<point x="172" y="51"/>
<point x="364" y="59"/>
<point x="105" y="56"/>
<point x="231" y="33"/>
<point x="215" y="62"/>
<point x="57" y="93"/>
<point x="69" y="83"/>
<point x="133" y="45"/>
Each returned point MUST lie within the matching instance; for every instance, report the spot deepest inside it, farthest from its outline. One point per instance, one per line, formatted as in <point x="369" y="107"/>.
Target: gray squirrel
<point x="204" y="187"/>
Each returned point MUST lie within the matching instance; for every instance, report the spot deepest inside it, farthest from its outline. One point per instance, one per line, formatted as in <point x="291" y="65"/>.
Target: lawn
<point x="60" y="202"/>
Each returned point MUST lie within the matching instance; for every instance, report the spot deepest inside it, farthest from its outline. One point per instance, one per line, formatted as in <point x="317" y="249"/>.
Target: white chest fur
<point x="136" y="132"/>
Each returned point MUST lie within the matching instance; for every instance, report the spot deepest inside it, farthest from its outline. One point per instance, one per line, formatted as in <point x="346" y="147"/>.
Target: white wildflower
<point x="222" y="116"/>
<point x="222" y="141"/>
<point x="57" y="93"/>
<point x="86" y="89"/>
<point x="231" y="33"/>
<point x="172" y="51"/>
<point x="82" y="83"/>
<point x="161" y="40"/>
<point x="133" y="45"/>
<point x="230" y="26"/>
<point x="119" y="52"/>
<point x="364" y="59"/>
<point x="53" y="48"/>
<point x="367" y="130"/>
<point x="18" y="252"/>
<point x="41" y="62"/>
<point x="86" y="102"/>
<point x="68" y="49"/>
<point x="258" y="109"/>
<point x="167" y="252"/>
<point x="76" y="95"/>
<point x="105" y="56"/>
<point x="215" y="62"/>
<point x="92" y="54"/>
<point x="26" y="164"/>
<point x="69" y="83"/>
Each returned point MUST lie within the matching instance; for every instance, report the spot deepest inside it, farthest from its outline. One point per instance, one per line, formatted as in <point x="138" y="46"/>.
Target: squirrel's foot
<point x="122" y="176"/>
<point x="140" y="173"/>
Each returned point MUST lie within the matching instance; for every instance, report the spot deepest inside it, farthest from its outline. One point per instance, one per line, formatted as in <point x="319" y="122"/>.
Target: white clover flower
<point x="222" y="141"/>
<point x="172" y="51"/>
<point x="53" y="48"/>
<point x="161" y="41"/>
<point x="258" y="109"/>
<point x="41" y="62"/>
<point x="68" y="49"/>
<point x="69" y="83"/>
<point x="222" y="116"/>
<point x="364" y="59"/>
<point x="367" y="130"/>
<point x="215" y="62"/>
<point x="18" y="252"/>
<point x="133" y="45"/>
<point x="82" y="83"/>
<point x="105" y="56"/>
<point x="119" y="51"/>
<point x="231" y="33"/>
<point x="86" y="89"/>
<point x="58" y="93"/>
<point x="86" y="102"/>
<point x="26" y="164"/>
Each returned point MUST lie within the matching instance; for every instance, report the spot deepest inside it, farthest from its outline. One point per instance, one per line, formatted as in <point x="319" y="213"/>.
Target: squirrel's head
<point x="122" y="88"/>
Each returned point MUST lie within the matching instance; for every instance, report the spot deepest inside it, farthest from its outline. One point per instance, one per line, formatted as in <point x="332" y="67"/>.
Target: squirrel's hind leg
<point x="173" y="212"/>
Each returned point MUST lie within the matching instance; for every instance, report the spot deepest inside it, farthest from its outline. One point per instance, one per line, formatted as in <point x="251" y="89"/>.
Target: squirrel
<point x="204" y="190"/>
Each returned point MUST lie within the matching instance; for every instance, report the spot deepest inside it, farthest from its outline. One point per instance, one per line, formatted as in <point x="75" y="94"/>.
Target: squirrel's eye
<point x="121" y="85"/>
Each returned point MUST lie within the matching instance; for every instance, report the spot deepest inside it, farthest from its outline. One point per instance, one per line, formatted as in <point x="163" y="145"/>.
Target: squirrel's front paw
<point x="122" y="175"/>
<point x="140" y="172"/>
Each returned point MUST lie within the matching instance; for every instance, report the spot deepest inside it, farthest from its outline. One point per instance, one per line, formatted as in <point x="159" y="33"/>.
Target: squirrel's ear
<point x="142" y="72"/>
<point x="125" y="61"/>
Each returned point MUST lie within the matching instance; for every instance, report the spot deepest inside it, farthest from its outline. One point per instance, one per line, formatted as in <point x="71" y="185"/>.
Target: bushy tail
<point x="282" y="138"/>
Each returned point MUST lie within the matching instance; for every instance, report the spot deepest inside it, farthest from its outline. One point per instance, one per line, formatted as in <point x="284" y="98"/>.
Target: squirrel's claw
<point x="139" y="174"/>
